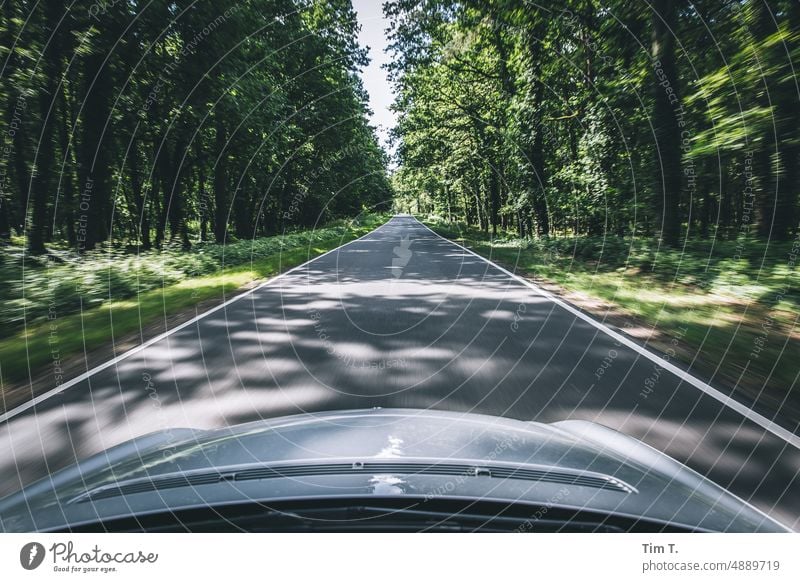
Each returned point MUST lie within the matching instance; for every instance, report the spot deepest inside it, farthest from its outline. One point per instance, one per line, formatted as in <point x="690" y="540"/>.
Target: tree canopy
<point x="145" y="122"/>
<point x="669" y="118"/>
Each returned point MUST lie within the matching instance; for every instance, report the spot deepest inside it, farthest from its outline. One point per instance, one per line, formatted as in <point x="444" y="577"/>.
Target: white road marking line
<point x="59" y="389"/>
<point x="748" y="413"/>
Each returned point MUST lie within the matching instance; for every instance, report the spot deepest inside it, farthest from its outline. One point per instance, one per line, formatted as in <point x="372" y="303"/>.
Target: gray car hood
<point x="394" y="452"/>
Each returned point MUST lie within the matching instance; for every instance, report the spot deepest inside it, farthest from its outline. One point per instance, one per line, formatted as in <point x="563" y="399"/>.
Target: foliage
<point x="580" y="117"/>
<point x="64" y="282"/>
<point x="155" y="122"/>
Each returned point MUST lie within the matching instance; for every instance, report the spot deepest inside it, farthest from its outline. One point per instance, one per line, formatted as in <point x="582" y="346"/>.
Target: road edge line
<point x="6" y="416"/>
<point x="735" y="405"/>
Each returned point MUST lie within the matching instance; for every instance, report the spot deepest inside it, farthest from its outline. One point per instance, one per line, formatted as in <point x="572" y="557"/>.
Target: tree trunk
<point x="240" y="219"/>
<point x="155" y="198"/>
<point x="12" y="207"/>
<point x="95" y="165"/>
<point x="537" y="182"/>
<point x="665" y="120"/>
<point x="782" y="199"/>
<point x="220" y="183"/>
<point x="494" y="197"/>
<point x="68" y="170"/>
<point x="139" y="197"/>
<point x="45" y="152"/>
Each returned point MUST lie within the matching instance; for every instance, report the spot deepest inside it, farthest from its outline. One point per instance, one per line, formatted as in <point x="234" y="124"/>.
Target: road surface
<point x="400" y="318"/>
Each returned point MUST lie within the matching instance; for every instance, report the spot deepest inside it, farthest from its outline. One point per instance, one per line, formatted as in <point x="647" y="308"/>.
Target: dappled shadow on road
<point x="363" y="327"/>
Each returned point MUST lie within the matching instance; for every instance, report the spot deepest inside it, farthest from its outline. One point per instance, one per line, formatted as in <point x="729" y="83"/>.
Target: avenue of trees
<point x="147" y="122"/>
<point x="666" y="118"/>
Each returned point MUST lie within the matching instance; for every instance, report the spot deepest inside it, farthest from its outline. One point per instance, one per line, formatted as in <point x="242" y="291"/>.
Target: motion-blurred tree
<point x="671" y="118"/>
<point x="149" y="122"/>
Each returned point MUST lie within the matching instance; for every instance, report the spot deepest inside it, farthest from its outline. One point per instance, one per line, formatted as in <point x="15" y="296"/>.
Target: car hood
<point x="394" y="452"/>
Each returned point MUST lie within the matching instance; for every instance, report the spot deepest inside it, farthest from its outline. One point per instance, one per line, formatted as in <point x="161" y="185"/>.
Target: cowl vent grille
<point x="544" y="475"/>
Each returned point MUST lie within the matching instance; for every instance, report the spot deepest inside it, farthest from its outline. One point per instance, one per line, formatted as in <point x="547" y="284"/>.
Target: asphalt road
<point x="400" y="318"/>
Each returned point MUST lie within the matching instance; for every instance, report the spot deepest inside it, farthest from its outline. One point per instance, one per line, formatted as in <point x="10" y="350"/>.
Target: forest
<point x="670" y="119"/>
<point x="145" y="124"/>
<point x="645" y="154"/>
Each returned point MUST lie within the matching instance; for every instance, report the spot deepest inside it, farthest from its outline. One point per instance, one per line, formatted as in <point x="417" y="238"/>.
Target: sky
<point x="373" y="25"/>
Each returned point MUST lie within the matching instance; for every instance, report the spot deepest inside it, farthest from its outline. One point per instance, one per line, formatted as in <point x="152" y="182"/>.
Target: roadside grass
<point x="44" y="344"/>
<point x="62" y="282"/>
<point x="729" y="310"/>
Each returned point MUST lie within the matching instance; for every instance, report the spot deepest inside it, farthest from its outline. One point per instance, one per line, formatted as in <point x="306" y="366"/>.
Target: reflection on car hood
<point x="422" y="453"/>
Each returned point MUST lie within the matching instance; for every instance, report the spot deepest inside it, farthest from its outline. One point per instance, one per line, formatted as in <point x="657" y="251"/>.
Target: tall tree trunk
<point x="665" y="120"/>
<point x="21" y="166"/>
<point x="705" y="215"/>
<point x="536" y="178"/>
<point x="725" y="202"/>
<point x="48" y="107"/>
<point x="781" y="202"/>
<point x="220" y="182"/>
<point x="203" y="201"/>
<point x="5" y="215"/>
<point x="762" y="188"/>
<point x="95" y="166"/>
<point x="494" y="197"/>
<point x="68" y="170"/>
<point x="142" y="217"/>
<point x="479" y="211"/>
<point x="157" y="210"/>
<point x="14" y="175"/>
<point x="241" y="216"/>
<point x="176" y="207"/>
<point x="537" y="182"/>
